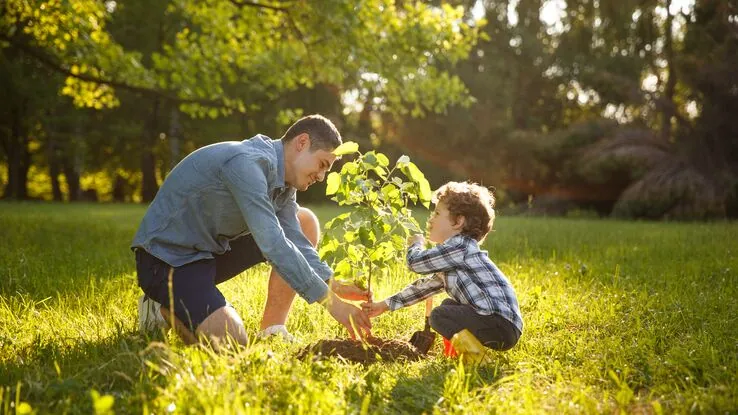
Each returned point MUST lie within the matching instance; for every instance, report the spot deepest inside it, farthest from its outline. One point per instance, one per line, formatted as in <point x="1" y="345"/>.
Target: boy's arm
<point x="416" y="292"/>
<point x="441" y="258"/>
<point x="246" y="179"/>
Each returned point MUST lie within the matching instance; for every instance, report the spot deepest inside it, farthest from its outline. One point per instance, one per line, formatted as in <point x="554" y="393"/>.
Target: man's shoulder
<point x="256" y="147"/>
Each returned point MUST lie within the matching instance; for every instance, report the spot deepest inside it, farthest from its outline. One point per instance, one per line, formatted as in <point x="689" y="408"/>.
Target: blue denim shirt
<point x="226" y="190"/>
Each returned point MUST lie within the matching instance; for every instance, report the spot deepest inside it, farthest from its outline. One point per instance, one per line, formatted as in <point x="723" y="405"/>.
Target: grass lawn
<point x="620" y="316"/>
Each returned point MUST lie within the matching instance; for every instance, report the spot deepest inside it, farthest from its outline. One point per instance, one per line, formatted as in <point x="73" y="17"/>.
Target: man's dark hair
<point x="323" y="134"/>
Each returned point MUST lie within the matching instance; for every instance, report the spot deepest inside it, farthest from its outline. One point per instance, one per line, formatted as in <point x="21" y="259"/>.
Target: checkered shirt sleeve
<point x="437" y="260"/>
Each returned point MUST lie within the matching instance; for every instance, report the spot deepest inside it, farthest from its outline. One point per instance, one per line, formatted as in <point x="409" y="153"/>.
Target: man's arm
<point x="287" y="217"/>
<point x="246" y="178"/>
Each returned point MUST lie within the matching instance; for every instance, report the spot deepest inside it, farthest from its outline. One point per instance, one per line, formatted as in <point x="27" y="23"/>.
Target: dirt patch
<point x="375" y="349"/>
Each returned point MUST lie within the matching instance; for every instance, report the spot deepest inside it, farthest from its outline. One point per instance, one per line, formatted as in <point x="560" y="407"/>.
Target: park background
<point x="607" y="128"/>
<point x="610" y="108"/>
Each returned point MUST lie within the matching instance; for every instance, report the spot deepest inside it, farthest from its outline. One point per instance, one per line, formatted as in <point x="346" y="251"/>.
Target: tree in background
<point x="218" y="58"/>
<point x="604" y="108"/>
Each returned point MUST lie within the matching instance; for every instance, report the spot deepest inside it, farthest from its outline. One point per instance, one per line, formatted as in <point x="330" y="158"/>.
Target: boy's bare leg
<point x="279" y="294"/>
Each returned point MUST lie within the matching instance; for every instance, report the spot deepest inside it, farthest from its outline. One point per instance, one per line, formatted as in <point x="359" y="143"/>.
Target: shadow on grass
<point x="442" y="384"/>
<point x="58" y="377"/>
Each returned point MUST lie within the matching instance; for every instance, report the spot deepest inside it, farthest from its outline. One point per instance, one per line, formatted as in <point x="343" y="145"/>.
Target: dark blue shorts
<point x="195" y="295"/>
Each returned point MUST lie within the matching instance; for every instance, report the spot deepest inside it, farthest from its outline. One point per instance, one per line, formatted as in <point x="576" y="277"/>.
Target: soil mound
<point x="375" y="349"/>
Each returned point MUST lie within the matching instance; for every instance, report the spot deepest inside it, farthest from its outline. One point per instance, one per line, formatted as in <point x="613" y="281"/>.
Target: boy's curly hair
<point x="472" y="201"/>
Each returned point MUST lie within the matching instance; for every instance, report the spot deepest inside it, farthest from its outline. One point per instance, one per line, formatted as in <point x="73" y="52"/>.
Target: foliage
<point x="367" y="240"/>
<point x="219" y="56"/>
<point x="653" y="65"/>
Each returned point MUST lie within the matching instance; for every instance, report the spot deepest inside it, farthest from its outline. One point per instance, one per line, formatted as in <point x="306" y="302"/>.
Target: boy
<point x="483" y="306"/>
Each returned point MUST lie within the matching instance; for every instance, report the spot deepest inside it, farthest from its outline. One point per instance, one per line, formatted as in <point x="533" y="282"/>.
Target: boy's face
<point x="441" y="224"/>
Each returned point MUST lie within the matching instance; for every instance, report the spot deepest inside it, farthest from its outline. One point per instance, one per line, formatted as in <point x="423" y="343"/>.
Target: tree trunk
<point x="148" y="161"/>
<point x="18" y="158"/>
<point x="54" y="170"/>
<point x="668" y="110"/>
<point x="72" y="165"/>
<point x="72" y="179"/>
<point x="175" y="131"/>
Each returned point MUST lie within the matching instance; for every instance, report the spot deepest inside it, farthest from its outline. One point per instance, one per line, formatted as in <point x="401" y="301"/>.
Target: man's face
<point x="311" y="166"/>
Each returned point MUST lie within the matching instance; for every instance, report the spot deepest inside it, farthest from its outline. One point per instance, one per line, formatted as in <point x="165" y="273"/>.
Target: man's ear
<point x="302" y="141"/>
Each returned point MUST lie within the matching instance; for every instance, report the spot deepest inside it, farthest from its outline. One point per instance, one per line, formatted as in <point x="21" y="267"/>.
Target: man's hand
<point x="374" y="309"/>
<point x="350" y="292"/>
<point x="415" y="238"/>
<point x="350" y="316"/>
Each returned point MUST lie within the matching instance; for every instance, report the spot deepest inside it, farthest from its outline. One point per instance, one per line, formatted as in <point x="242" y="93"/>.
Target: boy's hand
<point x="415" y="238"/>
<point x="350" y="292"/>
<point x="374" y="309"/>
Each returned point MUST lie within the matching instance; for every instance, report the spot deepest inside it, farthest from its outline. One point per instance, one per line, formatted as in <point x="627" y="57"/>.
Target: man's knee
<point x="222" y="323"/>
<point x="309" y="224"/>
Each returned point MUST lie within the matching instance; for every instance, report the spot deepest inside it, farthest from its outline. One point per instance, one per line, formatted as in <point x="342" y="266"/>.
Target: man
<point x="226" y="207"/>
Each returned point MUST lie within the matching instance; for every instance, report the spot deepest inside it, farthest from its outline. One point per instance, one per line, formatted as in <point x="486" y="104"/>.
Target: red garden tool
<point x="423" y="340"/>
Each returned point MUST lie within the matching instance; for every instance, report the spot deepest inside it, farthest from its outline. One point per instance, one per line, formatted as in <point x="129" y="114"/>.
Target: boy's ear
<point x="459" y="222"/>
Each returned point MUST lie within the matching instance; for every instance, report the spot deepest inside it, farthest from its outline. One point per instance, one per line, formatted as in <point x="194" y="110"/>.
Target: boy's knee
<point x="437" y="316"/>
<point x="309" y="224"/>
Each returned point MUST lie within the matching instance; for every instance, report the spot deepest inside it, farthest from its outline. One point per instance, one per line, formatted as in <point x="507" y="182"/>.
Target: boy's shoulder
<point x="462" y="242"/>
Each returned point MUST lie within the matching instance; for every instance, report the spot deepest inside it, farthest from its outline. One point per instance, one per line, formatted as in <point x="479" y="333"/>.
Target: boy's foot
<point x="470" y="348"/>
<point x="276" y="330"/>
<point x="149" y="315"/>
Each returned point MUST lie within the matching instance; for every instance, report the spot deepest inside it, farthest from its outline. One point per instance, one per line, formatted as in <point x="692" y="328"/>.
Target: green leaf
<point x="332" y="183"/>
<point x="381" y="172"/>
<point x="382" y="160"/>
<point x="348" y="147"/>
<point x="350" y="168"/>
<point x="414" y="172"/>
<point x="338" y="220"/>
<point x="425" y="193"/>
<point x="342" y="269"/>
<point x="349" y="236"/>
<point x="370" y="160"/>
<point x="366" y="237"/>
<point x="328" y="248"/>
<point x="402" y="160"/>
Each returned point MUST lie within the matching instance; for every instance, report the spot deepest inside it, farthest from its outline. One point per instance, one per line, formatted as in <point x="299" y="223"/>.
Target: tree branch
<point x="246" y="3"/>
<point x="58" y="67"/>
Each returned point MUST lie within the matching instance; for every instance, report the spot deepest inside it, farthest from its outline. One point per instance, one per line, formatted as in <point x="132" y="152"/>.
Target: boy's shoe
<point x="149" y="315"/>
<point x="470" y="348"/>
<point x="279" y="330"/>
<point x="448" y="348"/>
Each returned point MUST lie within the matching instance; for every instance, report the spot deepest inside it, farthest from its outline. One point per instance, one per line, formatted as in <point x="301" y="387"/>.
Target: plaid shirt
<point x="466" y="273"/>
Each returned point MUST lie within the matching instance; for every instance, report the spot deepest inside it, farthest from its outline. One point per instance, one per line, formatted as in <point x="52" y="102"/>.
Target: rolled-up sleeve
<point x="246" y="178"/>
<point x="287" y="217"/>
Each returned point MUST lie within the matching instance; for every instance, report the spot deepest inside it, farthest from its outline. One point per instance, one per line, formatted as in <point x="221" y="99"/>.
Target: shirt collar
<point x="279" y="150"/>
